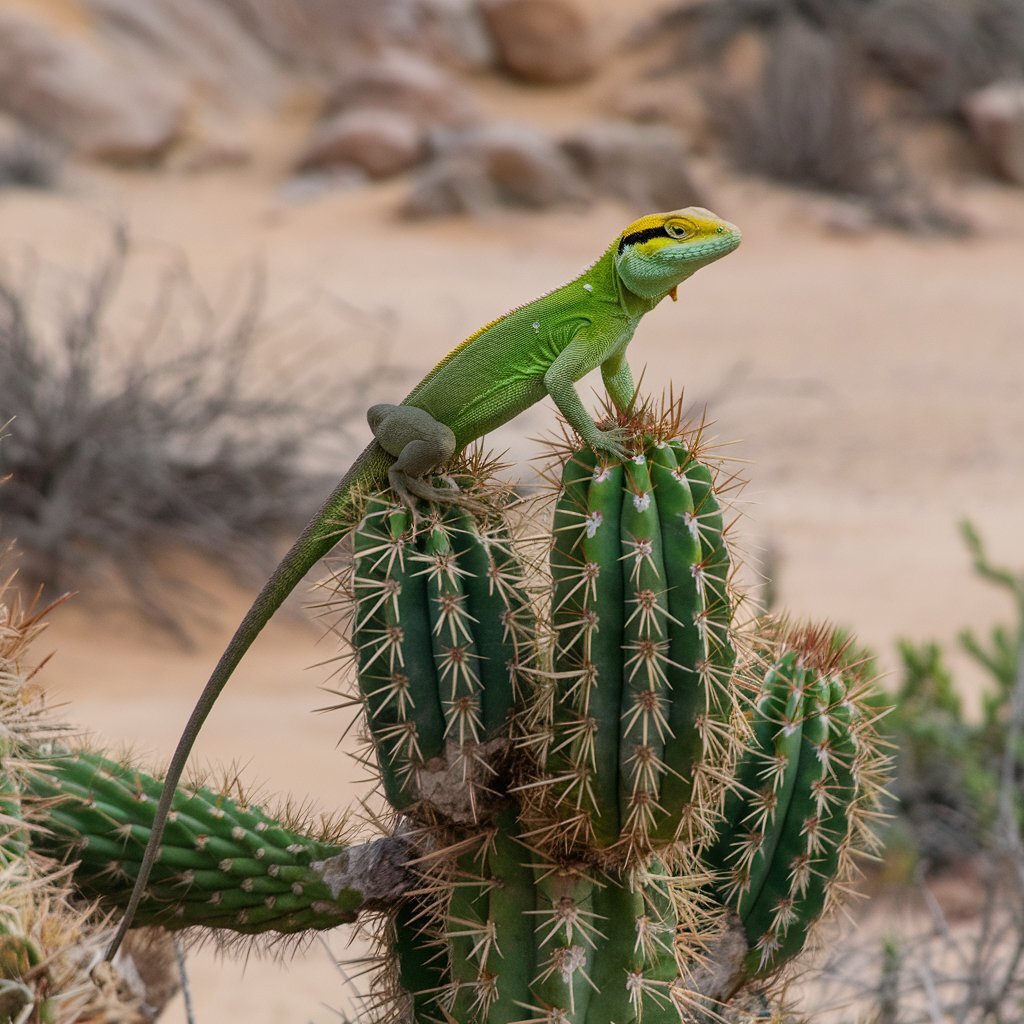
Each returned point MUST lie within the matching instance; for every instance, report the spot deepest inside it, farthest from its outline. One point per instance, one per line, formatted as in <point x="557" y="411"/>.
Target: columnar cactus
<point x="224" y="863"/>
<point x="639" y="726"/>
<point x="806" y="792"/>
<point x="441" y="625"/>
<point x="606" y="806"/>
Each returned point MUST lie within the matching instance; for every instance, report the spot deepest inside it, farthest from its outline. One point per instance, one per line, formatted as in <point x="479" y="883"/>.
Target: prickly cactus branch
<point x="805" y="796"/>
<point x="224" y="863"/>
<point x="49" y="937"/>
<point x="441" y="631"/>
<point x="636" y="727"/>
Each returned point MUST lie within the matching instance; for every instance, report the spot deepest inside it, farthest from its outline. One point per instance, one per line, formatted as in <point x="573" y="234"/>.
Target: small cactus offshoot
<point x="805" y="794"/>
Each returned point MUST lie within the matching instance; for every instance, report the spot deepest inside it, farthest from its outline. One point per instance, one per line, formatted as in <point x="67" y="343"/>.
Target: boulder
<point x="197" y="41"/>
<point x="325" y="35"/>
<point x="996" y="119"/>
<point x="549" y="42"/>
<point x="455" y="32"/>
<point x="403" y="81"/>
<point x="83" y="96"/>
<point x="379" y="142"/>
<point x="647" y="166"/>
<point x="492" y="165"/>
<point x="27" y="159"/>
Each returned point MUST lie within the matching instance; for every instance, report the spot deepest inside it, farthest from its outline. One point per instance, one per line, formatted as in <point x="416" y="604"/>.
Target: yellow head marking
<point x="657" y="252"/>
<point x="656" y="230"/>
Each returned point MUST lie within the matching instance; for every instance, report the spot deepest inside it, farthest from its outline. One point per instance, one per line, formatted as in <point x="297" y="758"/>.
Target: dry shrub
<point x="116" y="449"/>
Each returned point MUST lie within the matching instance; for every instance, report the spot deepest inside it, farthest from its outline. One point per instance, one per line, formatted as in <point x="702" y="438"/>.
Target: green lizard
<point x="536" y="350"/>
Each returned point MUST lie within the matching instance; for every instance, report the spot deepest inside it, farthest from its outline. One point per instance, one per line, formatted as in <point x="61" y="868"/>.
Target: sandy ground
<point x="874" y="384"/>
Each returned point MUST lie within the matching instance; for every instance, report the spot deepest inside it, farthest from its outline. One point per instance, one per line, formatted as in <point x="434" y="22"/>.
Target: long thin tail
<point x="323" y="531"/>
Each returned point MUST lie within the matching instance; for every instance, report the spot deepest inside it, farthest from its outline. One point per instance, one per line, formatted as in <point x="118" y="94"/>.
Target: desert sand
<point x="872" y="385"/>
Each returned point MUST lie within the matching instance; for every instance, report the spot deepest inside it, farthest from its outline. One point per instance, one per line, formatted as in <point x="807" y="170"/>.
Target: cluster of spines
<point x="441" y="628"/>
<point x="49" y="936"/>
<point x="223" y="863"/>
<point x="635" y="730"/>
<point x="520" y="937"/>
<point x="804" y="800"/>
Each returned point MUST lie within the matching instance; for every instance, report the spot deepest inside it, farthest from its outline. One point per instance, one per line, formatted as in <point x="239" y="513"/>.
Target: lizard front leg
<point x="420" y="444"/>
<point x="618" y="382"/>
<point x="574" y="362"/>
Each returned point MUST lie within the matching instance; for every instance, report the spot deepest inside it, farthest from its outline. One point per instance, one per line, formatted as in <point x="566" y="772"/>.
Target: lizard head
<point x="656" y="253"/>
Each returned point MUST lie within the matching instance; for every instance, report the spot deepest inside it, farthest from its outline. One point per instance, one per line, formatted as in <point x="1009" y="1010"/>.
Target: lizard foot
<point x="612" y="443"/>
<point x="413" y="489"/>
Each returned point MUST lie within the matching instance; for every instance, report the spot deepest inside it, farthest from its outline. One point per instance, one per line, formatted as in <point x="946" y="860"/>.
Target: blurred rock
<point x="83" y="96"/>
<point x="196" y="41"/>
<point x="645" y="165"/>
<point x="27" y="159"/>
<point x="304" y="188"/>
<point x="544" y="41"/>
<point x="996" y="119"/>
<point x="325" y="34"/>
<point x="402" y="81"/>
<point x="379" y="142"/>
<point x="492" y="165"/>
<point x="457" y="34"/>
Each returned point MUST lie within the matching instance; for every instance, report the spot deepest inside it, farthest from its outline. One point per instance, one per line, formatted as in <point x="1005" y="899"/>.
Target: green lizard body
<point x="537" y="350"/>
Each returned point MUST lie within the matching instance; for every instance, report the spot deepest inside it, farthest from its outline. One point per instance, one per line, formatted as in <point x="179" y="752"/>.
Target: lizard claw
<point x="412" y="490"/>
<point x="612" y="443"/>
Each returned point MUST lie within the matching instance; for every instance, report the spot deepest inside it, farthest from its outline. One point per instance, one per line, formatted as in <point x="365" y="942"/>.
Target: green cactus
<point x="804" y="795"/>
<point x="639" y="728"/>
<point x="224" y="863"/>
<point x="547" y="905"/>
<point x="439" y="629"/>
<point x="606" y="806"/>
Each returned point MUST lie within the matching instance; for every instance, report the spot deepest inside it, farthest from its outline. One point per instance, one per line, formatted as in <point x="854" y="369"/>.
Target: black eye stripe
<point x="642" y="236"/>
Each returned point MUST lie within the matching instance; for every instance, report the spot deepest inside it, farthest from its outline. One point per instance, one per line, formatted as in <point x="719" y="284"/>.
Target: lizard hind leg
<point x="420" y="444"/>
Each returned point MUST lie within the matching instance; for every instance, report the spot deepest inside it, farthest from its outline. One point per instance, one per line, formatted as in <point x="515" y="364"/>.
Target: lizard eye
<point x="676" y="230"/>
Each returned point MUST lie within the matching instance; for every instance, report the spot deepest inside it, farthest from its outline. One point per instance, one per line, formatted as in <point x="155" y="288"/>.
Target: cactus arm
<point x="568" y="934"/>
<point x="391" y="628"/>
<point x="601" y="659"/>
<point x="500" y="613"/>
<point x="221" y="864"/>
<point x="457" y="663"/>
<point x="617" y="964"/>
<point x="788" y="862"/>
<point x="778" y="781"/>
<point x="686" y="646"/>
